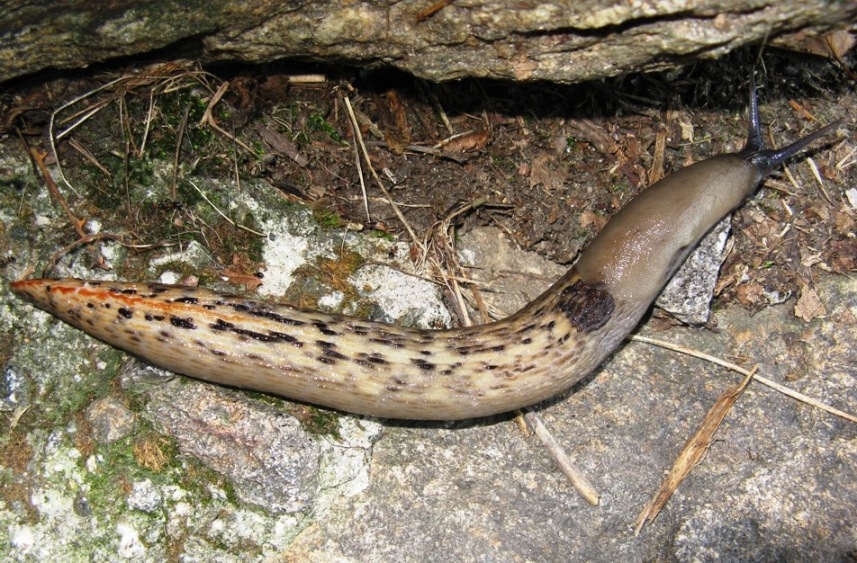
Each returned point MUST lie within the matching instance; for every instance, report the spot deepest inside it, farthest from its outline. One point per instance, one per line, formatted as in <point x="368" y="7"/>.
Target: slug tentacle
<point x="387" y="371"/>
<point x="756" y="151"/>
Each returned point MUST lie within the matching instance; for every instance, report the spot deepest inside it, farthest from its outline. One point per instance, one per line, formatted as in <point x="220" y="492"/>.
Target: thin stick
<point x="578" y="479"/>
<point x="764" y="381"/>
<point x="150" y="115"/>
<point x="355" y="131"/>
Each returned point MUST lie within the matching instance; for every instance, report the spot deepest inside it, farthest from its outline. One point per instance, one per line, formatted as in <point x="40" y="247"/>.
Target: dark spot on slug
<point x="498" y="348"/>
<point x="422" y="364"/>
<point x="330" y="353"/>
<point x="527" y="341"/>
<point x="164" y="334"/>
<point x="149" y="317"/>
<point x="271" y="336"/>
<point x="376" y="358"/>
<point x="125" y="313"/>
<point x="126" y="291"/>
<point x="322" y="328"/>
<point x="271" y="315"/>
<point x="188" y="300"/>
<point x="326" y="360"/>
<point x="180" y="322"/>
<point x="217" y="352"/>
<point x="106" y="305"/>
<point x="325" y="345"/>
<point x="587" y="306"/>
<point x="90" y="306"/>
<point x="209" y="307"/>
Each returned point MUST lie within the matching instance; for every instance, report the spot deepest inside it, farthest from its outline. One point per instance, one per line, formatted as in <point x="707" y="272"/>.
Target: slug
<point x="402" y="373"/>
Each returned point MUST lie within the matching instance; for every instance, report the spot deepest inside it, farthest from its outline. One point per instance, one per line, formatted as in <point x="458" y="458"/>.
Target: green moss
<point x="322" y="423"/>
<point x="384" y="235"/>
<point x="327" y="219"/>
<point x="318" y="123"/>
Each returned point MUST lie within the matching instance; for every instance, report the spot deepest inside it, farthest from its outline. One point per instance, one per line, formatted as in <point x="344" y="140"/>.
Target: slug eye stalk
<point x="756" y="151"/>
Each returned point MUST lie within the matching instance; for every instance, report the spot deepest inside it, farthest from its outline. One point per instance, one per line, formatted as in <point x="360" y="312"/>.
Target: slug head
<point x="643" y="245"/>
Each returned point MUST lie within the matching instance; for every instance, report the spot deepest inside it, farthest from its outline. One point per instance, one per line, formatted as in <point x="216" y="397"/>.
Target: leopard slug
<point x="392" y="372"/>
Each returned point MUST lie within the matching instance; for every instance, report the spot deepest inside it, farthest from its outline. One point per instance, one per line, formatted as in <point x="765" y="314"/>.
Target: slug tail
<point x="755" y="150"/>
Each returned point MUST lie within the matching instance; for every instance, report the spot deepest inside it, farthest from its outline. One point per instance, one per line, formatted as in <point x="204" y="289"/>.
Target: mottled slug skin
<point x="347" y="364"/>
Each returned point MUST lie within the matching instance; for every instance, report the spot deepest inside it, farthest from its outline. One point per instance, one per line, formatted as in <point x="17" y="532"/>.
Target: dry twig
<point x="577" y="478"/>
<point x="692" y="452"/>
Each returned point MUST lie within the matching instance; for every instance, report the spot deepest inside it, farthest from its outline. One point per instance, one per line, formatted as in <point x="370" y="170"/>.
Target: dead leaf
<point x="470" y="142"/>
<point x="809" y="306"/>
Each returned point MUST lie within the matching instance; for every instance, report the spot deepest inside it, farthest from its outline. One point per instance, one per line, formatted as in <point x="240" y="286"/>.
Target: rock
<point x="566" y="42"/>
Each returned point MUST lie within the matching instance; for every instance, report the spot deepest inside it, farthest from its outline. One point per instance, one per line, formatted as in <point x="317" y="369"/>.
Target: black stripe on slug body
<point x="423" y="365"/>
<point x="271" y="336"/>
<point x="375" y="358"/>
<point x="276" y="317"/>
<point x="187" y="299"/>
<point x="323" y="328"/>
<point x="221" y="325"/>
<point x="386" y="342"/>
<point x="180" y="322"/>
<point x="587" y="306"/>
<point x="329" y="353"/>
<point x="124" y="291"/>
